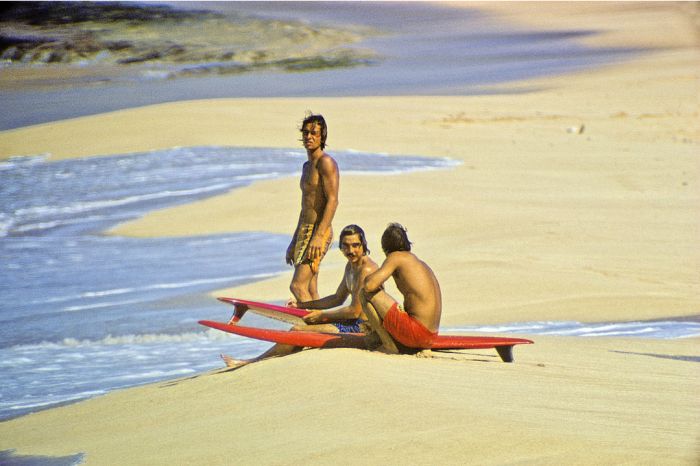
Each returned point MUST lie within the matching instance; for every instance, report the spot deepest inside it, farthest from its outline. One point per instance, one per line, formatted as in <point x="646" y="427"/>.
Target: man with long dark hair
<point x="319" y="201"/>
<point x="329" y="316"/>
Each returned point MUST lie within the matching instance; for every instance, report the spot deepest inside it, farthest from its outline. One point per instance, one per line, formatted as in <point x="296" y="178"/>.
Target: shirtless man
<point x="319" y="201"/>
<point x="416" y="324"/>
<point x="344" y="319"/>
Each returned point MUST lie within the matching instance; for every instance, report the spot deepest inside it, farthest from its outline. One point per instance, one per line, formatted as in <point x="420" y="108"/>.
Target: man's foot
<point x="233" y="363"/>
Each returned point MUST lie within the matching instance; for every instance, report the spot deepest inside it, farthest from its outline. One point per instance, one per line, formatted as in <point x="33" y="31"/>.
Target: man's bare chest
<point x="310" y="178"/>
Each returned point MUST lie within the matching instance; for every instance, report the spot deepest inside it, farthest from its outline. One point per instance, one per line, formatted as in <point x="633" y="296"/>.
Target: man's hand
<point x="315" y="317"/>
<point x="315" y="249"/>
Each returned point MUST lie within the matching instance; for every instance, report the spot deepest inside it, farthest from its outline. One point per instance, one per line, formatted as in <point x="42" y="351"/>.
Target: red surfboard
<point x="504" y="346"/>
<point x="286" y="337"/>
<point x="291" y="315"/>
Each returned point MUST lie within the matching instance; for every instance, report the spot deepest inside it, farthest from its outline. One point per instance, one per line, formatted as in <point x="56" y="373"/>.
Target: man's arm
<point x="375" y="280"/>
<point x="330" y="179"/>
<point x="353" y="310"/>
<point x="327" y="302"/>
<point x="332" y="315"/>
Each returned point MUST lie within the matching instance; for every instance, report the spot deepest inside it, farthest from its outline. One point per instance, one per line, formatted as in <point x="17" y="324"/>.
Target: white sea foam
<point x="102" y="305"/>
<point x="5" y="224"/>
<point x="86" y="206"/>
<point x="23" y="161"/>
<point x="97" y="294"/>
<point x="209" y="335"/>
<point x="154" y="374"/>
<point x="205" y="281"/>
<point x="655" y="329"/>
<point x="156" y="286"/>
<point x="53" y="400"/>
<point x="264" y="176"/>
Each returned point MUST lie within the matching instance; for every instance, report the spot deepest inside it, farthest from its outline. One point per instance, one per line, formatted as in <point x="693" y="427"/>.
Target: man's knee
<point x="299" y="288"/>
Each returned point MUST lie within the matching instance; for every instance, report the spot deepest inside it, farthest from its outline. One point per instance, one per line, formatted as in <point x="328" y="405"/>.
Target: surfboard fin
<point x="505" y="352"/>
<point x="239" y="311"/>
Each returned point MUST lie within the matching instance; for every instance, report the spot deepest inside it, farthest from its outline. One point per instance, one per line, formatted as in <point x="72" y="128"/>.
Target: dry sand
<point x="579" y="200"/>
<point x="564" y="401"/>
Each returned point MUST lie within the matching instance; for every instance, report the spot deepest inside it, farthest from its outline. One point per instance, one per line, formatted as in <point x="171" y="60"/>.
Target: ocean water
<point x="424" y="48"/>
<point x="665" y="329"/>
<point x="83" y="313"/>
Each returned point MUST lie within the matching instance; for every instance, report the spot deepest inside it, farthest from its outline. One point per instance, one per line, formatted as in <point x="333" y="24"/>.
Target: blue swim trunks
<point x="349" y="326"/>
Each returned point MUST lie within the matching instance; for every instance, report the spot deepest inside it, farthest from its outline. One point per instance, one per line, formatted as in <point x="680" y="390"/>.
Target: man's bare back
<point x="417" y="323"/>
<point x="422" y="298"/>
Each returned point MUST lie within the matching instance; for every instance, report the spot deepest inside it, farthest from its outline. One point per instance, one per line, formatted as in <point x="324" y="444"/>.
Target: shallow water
<point x="83" y="313"/>
<point x="10" y="458"/>
<point x="665" y="329"/>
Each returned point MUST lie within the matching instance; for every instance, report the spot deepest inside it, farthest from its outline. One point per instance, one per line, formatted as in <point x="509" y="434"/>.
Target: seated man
<point x="416" y="323"/>
<point x="344" y="319"/>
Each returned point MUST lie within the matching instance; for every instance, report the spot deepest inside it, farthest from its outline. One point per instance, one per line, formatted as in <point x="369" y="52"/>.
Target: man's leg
<point x="375" y="310"/>
<point x="301" y="283"/>
<point x="274" y="352"/>
<point x="280" y="349"/>
<point x="313" y="287"/>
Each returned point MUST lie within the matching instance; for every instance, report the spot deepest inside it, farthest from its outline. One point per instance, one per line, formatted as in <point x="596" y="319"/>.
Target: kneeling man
<point x="415" y="324"/>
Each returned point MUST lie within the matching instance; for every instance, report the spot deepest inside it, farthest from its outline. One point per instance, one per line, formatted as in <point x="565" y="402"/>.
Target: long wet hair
<point x="321" y="122"/>
<point x="395" y="239"/>
<point x="355" y="230"/>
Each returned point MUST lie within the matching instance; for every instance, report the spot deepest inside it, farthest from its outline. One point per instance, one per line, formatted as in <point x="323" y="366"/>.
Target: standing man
<point x="416" y="323"/>
<point x="343" y="319"/>
<point x="319" y="201"/>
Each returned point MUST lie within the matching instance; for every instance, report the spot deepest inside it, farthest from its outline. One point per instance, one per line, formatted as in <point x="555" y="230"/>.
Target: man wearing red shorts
<point x="416" y="323"/>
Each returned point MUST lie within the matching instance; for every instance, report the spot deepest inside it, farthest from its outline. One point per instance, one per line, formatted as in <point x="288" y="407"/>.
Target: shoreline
<point x="593" y="253"/>
<point x="575" y="400"/>
<point x="539" y="221"/>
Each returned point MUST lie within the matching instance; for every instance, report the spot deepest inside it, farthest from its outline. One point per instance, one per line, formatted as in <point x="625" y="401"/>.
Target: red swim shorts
<point x="407" y="330"/>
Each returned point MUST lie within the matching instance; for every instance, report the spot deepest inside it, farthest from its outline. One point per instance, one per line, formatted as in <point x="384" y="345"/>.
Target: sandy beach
<point x="577" y="198"/>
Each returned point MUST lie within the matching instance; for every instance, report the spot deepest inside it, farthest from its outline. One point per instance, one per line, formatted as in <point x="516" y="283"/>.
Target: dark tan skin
<point x="359" y="267"/>
<point x="416" y="282"/>
<point x="319" y="185"/>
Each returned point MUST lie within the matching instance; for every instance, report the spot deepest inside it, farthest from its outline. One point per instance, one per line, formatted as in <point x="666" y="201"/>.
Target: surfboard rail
<point x="502" y="345"/>
<point x="291" y="315"/>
